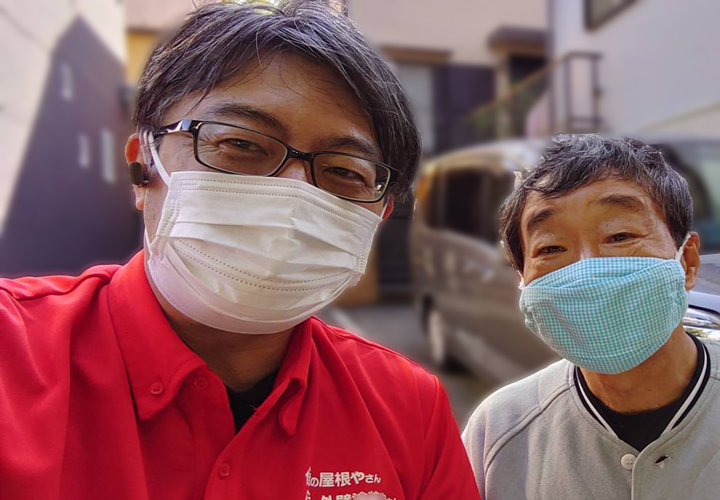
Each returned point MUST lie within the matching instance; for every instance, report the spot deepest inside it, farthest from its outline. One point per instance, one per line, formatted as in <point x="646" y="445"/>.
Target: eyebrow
<point x="539" y="218"/>
<point x="364" y="147"/>
<point x="236" y="110"/>
<point x="618" y="200"/>
<point x="243" y="111"/>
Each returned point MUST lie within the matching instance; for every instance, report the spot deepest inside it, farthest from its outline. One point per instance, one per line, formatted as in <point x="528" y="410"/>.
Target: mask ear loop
<point x="681" y="250"/>
<point x="148" y="243"/>
<point x="139" y="171"/>
<point x="521" y="285"/>
<point x="156" y="159"/>
<point x="384" y="212"/>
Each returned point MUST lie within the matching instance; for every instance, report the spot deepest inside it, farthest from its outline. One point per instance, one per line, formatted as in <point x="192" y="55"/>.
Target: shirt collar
<point x="292" y="380"/>
<point x="689" y="398"/>
<point x="158" y="362"/>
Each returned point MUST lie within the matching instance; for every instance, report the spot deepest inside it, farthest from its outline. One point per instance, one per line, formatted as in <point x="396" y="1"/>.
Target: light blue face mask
<point x="608" y="314"/>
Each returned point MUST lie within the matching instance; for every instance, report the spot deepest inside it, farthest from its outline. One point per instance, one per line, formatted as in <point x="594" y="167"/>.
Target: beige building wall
<point x="701" y="122"/>
<point x="139" y="46"/>
<point x="659" y="71"/>
<point x="146" y="21"/>
<point x="460" y="27"/>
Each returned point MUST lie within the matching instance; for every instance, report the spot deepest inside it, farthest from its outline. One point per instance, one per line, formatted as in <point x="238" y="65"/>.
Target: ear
<point x="389" y="207"/>
<point x="133" y="153"/>
<point x="690" y="260"/>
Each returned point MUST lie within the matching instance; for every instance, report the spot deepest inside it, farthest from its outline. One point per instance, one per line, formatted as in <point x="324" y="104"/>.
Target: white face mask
<point x="255" y="255"/>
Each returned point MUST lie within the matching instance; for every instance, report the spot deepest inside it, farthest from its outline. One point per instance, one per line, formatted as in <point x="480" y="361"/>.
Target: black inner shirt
<point x="640" y="429"/>
<point x="244" y="404"/>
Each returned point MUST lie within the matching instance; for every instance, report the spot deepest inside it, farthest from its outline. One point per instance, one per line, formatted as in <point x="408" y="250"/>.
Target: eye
<point x="242" y="144"/>
<point x="550" y="250"/>
<point x="619" y="237"/>
<point x="344" y="174"/>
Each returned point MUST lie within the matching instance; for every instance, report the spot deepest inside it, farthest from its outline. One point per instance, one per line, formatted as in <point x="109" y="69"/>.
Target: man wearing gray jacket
<point x="600" y="234"/>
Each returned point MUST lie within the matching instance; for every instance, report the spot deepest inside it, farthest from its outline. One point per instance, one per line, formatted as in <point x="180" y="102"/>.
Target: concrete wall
<point x="458" y="26"/>
<point x="660" y="67"/>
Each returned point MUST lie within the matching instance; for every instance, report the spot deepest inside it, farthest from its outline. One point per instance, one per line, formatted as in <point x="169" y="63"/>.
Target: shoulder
<point x="529" y="394"/>
<point x="713" y="347"/>
<point x="712" y="344"/>
<point x="37" y="288"/>
<point x="407" y="408"/>
<point x="360" y="354"/>
<point x="39" y="318"/>
<point x="37" y="303"/>
<point x="511" y="410"/>
<point x="378" y="372"/>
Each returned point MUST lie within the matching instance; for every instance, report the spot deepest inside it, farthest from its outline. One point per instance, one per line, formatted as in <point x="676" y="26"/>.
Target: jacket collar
<point x="158" y="362"/>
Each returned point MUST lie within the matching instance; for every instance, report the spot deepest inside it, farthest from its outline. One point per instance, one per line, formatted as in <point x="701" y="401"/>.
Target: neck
<point x="653" y="384"/>
<point x="240" y="360"/>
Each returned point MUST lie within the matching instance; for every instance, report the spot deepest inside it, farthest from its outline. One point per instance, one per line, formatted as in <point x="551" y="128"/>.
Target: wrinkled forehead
<point x="283" y="80"/>
<point x="289" y="97"/>
<point x="613" y="198"/>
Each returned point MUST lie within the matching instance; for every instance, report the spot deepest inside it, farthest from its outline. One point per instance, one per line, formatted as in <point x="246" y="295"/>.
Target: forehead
<point x="289" y="85"/>
<point x="619" y="197"/>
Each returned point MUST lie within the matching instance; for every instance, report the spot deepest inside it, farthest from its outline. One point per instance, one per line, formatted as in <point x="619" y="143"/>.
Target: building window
<point x="597" y="12"/>
<point x="108" y="156"/>
<point x="66" y="82"/>
<point x="417" y="80"/>
<point x="83" y="150"/>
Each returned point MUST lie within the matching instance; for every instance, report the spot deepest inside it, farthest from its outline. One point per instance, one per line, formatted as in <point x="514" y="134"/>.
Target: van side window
<point x="472" y="202"/>
<point x="463" y="212"/>
<point x="433" y="202"/>
<point x="428" y="191"/>
<point x="500" y="185"/>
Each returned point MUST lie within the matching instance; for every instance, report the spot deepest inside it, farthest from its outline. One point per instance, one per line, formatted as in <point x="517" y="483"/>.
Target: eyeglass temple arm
<point x="181" y="126"/>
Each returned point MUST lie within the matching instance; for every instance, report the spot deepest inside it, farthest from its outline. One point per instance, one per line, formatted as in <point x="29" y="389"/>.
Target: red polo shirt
<point x="99" y="399"/>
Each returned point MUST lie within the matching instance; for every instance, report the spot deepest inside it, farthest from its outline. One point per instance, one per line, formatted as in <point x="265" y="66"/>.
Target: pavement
<point x="397" y="326"/>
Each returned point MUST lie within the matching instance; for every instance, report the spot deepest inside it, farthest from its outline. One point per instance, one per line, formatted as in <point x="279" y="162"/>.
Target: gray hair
<point x="574" y="161"/>
<point x="220" y="39"/>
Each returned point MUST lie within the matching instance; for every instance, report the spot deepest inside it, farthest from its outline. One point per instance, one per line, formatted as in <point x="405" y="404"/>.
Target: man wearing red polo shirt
<point x="271" y="143"/>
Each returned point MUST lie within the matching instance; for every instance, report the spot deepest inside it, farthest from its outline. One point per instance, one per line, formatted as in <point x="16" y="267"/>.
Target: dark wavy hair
<point x="574" y="161"/>
<point x="219" y="40"/>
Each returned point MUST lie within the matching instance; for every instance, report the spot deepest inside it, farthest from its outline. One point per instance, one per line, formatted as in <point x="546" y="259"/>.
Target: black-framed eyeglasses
<point x="243" y="151"/>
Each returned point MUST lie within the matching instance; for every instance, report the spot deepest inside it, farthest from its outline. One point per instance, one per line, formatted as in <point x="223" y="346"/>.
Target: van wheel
<point x="437" y="340"/>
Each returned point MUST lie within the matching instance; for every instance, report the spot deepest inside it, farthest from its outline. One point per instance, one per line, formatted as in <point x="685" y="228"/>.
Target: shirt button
<point x="224" y="470"/>
<point x="157" y="388"/>
<point x="201" y="382"/>
<point x="628" y="461"/>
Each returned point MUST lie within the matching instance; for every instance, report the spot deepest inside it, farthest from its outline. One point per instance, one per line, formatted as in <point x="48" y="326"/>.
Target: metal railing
<point x="563" y="97"/>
